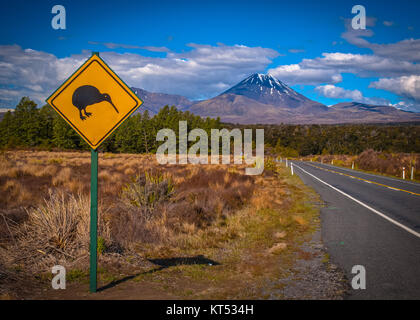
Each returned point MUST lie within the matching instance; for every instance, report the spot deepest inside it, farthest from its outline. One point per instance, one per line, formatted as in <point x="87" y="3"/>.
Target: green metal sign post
<point x="93" y="219"/>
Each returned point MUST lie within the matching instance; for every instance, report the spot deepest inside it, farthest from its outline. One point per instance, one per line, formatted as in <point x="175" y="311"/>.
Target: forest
<point x="42" y="128"/>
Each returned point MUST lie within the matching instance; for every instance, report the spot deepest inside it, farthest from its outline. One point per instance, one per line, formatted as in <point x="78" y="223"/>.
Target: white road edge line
<point x="363" y="204"/>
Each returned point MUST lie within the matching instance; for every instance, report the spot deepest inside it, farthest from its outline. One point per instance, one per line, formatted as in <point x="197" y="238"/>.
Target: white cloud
<point x="331" y="91"/>
<point x="408" y="49"/>
<point x="201" y="72"/>
<point x="407" y="86"/>
<point x="408" y="105"/>
<point x="298" y="74"/>
<point x="363" y="65"/>
<point x="328" y="68"/>
<point x="388" y="23"/>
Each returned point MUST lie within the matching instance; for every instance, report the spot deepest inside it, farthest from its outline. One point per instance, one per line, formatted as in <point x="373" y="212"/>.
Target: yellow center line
<point x="368" y="181"/>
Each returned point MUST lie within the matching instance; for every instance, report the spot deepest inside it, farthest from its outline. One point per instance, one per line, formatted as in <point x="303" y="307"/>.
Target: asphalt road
<point x="376" y="224"/>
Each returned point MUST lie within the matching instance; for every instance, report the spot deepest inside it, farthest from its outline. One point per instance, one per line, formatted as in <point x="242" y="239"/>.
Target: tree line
<point x="32" y="127"/>
<point x="349" y="139"/>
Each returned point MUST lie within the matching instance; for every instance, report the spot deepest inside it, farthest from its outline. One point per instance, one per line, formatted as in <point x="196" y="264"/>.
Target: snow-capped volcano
<point x="264" y="88"/>
<point x="258" y="98"/>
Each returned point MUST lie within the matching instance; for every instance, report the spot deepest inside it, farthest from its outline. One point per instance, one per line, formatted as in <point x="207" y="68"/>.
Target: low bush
<point x="391" y="164"/>
<point x="147" y="192"/>
<point x="154" y="211"/>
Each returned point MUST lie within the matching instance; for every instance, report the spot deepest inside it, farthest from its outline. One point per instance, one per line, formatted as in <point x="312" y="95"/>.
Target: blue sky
<point x="201" y="48"/>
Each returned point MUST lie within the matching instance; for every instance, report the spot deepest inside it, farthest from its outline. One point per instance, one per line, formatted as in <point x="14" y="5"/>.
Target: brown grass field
<point x="173" y="231"/>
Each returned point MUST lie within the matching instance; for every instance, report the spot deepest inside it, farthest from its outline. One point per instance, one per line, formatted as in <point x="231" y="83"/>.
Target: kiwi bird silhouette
<point x="87" y="95"/>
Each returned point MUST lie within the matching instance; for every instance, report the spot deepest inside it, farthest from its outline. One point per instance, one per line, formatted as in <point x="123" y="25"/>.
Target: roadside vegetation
<point x="192" y="231"/>
<point x="390" y="164"/>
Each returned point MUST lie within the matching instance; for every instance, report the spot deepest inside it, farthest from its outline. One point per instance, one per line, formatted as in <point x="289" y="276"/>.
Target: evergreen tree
<point x="27" y="123"/>
<point x="65" y="137"/>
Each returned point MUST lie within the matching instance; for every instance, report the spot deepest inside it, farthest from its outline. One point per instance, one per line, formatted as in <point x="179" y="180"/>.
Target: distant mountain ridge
<point x="263" y="99"/>
<point x="153" y="101"/>
<point x="3" y="111"/>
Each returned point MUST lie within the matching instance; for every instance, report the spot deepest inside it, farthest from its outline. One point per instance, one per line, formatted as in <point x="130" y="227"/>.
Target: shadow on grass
<point x="164" y="264"/>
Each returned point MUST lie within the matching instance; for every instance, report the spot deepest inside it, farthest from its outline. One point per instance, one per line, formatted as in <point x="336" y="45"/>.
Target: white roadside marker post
<point x="287" y="165"/>
<point x="403" y="172"/>
<point x="412" y="173"/>
<point x="291" y="168"/>
<point x="352" y="165"/>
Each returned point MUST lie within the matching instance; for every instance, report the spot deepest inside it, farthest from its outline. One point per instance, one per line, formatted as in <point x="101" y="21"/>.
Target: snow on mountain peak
<point x="265" y="80"/>
<point x="265" y="88"/>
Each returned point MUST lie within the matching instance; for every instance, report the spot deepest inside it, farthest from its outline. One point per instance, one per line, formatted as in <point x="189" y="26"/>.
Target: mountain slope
<point x="239" y="109"/>
<point x="3" y="111"/>
<point x="153" y="101"/>
<point x="346" y="112"/>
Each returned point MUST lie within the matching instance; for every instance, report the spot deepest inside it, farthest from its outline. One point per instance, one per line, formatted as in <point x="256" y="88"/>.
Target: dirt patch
<point x="313" y="276"/>
<point x="127" y="290"/>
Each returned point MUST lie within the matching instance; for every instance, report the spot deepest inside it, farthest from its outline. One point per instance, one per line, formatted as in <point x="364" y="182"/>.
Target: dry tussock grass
<point x="376" y="161"/>
<point x="201" y="197"/>
<point x="210" y="206"/>
<point x="203" y="194"/>
<point x="57" y="231"/>
<point x="391" y="164"/>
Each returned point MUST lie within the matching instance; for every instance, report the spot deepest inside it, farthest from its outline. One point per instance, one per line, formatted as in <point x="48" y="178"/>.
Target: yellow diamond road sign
<point x="94" y="101"/>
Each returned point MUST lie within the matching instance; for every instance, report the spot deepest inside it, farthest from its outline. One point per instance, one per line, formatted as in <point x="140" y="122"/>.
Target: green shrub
<point x="147" y="191"/>
<point x="101" y="245"/>
<point x="270" y="165"/>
